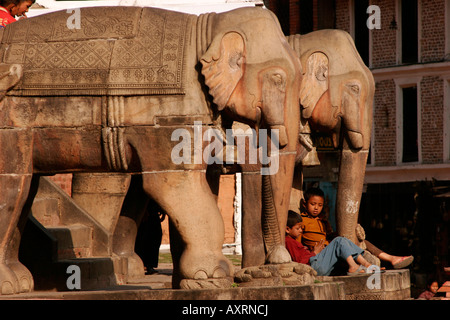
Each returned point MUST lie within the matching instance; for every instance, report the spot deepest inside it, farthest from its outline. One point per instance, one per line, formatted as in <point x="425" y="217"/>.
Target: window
<point x="410" y="150"/>
<point x="361" y="30"/>
<point x="409" y="31"/>
<point x="324" y="10"/>
<point x="306" y="16"/>
<point x="326" y="14"/>
<point x="282" y="12"/>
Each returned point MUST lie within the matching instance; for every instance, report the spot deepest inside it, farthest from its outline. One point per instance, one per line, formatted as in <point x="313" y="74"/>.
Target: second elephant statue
<point x="336" y="96"/>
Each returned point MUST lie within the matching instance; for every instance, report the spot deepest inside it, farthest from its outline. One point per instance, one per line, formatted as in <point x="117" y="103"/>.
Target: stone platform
<point x="391" y="285"/>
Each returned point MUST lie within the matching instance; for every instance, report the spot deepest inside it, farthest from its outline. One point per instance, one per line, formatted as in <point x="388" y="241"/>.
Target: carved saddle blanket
<point x="114" y="51"/>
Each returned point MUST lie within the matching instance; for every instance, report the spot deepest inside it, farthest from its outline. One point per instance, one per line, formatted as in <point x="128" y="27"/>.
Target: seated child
<point x="432" y="288"/>
<point x="323" y="259"/>
<point x="317" y="228"/>
<point x="8" y="9"/>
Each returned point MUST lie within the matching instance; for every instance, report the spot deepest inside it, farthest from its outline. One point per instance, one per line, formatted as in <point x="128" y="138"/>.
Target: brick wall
<point x="64" y="181"/>
<point x="225" y="202"/>
<point x="384" y="49"/>
<point x="433" y="30"/>
<point x="432" y="125"/>
<point x="294" y="16"/>
<point x="342" y="15"/>
<point x="384" y="124"/>
<point x="384" y="39"/>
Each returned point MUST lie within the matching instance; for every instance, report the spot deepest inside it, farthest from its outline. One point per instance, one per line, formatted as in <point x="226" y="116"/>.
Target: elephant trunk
<point x="355" y="150"/>
<point x="270" y="224"/>
<point x="350" y="187"/>
<point x="275" y="201"/>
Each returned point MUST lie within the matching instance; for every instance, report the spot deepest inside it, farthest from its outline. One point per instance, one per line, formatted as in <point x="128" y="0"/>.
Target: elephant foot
<point x="261" y="276"/>
<point x="200" y="271"/>
<point x="23" y="276"/>
<point x="295" y="273"/>
<point x="135" y="266"/>
<point x="277" y="255"/>
<point x="8" y="280"/>
<point x="291" y="273"/>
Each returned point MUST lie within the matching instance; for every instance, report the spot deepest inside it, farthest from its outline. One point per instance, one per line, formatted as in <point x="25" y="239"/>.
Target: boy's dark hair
<point x="313" y="192"/>
<point x="308" y="194"/>
<point x="5" y="3"/>
<point x="293" y="219"/>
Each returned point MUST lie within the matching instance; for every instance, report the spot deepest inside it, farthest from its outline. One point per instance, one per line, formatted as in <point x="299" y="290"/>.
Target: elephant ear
<point x="223" y="66"/>
<point x="314" y="82"/>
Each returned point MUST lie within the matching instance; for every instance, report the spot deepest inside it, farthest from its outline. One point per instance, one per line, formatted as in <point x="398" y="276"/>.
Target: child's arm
<point x="298" y="252"/>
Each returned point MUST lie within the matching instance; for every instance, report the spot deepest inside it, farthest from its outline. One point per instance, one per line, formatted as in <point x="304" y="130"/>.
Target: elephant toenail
<point x="201" y="275"/>
<point x="219" y="273"/>
<point x="7" y="288"/>
<point x="25" y="285"/>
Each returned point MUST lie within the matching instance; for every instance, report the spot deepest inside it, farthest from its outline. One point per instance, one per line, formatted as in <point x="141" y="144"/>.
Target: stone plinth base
<point x="390" y="285"/>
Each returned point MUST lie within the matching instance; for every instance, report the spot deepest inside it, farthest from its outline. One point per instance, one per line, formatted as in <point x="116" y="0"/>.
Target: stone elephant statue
<point x="336" y="96"/>
<point x="109" y="96"/>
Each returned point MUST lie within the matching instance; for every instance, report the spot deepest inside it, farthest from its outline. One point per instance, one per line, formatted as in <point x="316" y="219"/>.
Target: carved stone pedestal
<point x="390" y="285"/>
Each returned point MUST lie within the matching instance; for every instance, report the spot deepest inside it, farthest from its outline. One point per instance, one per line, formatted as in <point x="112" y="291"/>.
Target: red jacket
<point x="299" y="253"/>
<point x="5" y="17"/>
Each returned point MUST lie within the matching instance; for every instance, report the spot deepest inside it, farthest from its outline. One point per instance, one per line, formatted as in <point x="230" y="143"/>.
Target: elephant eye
<point x="279" y="81"/>
<point x="354" y="88"/>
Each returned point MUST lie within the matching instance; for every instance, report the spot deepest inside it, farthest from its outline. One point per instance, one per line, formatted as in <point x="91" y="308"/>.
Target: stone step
<point x="47" y="211"/>
<point x="92" y="273"/>
<point x="79" y="233"/>
<point x="74" y="241"/>
<point x="389" y="285"/>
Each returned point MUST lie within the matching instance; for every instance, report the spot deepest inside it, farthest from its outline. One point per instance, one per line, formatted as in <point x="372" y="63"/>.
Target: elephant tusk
<point x="355" y="139"/>
<point x="282" y="135"/>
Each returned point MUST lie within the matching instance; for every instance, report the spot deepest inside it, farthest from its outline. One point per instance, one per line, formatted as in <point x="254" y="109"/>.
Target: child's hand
<point x="319" y="246"/>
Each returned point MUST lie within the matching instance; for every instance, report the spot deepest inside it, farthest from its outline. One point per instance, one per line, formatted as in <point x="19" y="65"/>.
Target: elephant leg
<point x="191" y="206"/>
<point x="253" y="251"/>
<point x="133" y="209"/>
<point x="13" y="194"/>
<point x="23" y="275"/>
<point x="15" y="181"/>
<point x="176" y="250"/>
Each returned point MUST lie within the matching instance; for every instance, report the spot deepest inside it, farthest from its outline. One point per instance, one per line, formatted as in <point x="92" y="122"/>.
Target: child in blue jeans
<point x="323" y="259"/>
